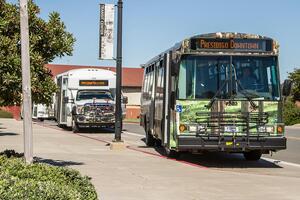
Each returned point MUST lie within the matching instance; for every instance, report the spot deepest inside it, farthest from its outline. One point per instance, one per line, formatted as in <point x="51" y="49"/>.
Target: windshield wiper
<point x="247" y="95"/>
<point x="209" y="105"/>
<point x="253" y="105"/>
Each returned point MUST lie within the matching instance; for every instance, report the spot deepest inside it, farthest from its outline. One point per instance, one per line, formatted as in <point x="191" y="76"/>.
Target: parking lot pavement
<point x="144" y="173"/>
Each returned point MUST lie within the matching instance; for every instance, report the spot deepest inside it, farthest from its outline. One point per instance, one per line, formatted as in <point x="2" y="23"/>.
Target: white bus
<point x="86" y="98"/>
<point x="42" y="112"/>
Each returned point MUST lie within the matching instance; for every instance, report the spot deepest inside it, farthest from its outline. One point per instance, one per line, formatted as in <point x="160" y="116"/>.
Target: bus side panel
<point x="146" y="99"/>
<point x="58" y="100"/>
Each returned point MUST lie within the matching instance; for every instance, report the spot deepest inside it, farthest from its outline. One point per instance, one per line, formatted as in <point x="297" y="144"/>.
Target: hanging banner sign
<point x="106" y="41"/>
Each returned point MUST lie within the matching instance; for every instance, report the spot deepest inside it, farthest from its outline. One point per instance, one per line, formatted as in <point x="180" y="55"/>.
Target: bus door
<point x="166" y="94"/>
<point x="58" y="100"/>
<point x="63" y="100"/>
<point x="158" y="111"/>
<point x="152" y="99"/>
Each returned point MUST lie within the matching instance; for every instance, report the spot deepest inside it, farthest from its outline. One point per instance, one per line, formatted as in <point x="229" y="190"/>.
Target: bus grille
<point x="219" y="123"/>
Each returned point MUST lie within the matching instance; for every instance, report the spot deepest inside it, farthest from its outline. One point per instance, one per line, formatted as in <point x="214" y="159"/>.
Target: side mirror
<point x="125" y="100"/>
<point x="286" y="87"/>
<point x="66" y="99"/>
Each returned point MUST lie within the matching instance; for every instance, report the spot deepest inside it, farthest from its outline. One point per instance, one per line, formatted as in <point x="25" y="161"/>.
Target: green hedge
<point x="4" y="114"/>
<point x="41" y="181"/>
<point x="291" y="113"/>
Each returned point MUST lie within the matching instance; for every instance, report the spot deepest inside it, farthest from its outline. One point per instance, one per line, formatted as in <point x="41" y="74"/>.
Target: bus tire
<point x="253" y="155"/>
<point x="150" y="141"/>
<point x="172" y="153"/>
<point x="75" y="127"/>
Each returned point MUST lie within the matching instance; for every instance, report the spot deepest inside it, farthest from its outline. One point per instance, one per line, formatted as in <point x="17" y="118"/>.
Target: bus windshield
<point x="228" y="77"/>
<point x="94" y="94"/>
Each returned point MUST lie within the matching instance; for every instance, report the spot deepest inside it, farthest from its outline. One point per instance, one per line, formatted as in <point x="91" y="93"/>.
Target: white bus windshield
<point x="205" y="77"/>
<point x="94" y="94"/>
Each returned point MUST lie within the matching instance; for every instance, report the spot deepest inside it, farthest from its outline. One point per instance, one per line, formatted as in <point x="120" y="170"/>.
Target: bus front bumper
<point x="95" y="119"/>
<point x="229" y="144"/>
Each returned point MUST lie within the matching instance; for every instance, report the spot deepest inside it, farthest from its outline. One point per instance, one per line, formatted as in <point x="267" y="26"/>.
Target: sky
<point x="152" y="26"/>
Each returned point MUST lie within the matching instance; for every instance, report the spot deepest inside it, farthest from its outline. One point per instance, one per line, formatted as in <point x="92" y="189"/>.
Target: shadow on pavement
<point x="97" y="130"/>
<point x="225" y="160"/>
<point x="60" y="163"/>
<point x="7" y="134"/>
<point x="216" y="159"/>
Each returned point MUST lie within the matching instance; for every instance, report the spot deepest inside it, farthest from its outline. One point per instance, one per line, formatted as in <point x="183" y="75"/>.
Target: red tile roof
<point x="131" y="77"/>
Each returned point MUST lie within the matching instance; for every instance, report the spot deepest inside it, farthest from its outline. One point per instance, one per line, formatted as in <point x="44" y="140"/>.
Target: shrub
<point x="38" y="181"/>
<point x="291" y="113"/>
<point x="4" y="114"/>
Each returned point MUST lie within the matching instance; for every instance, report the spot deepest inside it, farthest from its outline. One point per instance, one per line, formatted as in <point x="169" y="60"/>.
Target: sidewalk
<point x="130" y="175"/>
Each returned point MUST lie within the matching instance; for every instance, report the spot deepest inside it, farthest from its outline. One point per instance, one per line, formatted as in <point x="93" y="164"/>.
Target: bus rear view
<point x="222" y="93"/>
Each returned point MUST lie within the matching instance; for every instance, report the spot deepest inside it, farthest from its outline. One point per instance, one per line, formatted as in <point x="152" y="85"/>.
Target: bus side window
<point x="151" y="82"/>
<point x="146" y="83"/>
<point x="157" y="82"/>
<point x="161" y="71"/>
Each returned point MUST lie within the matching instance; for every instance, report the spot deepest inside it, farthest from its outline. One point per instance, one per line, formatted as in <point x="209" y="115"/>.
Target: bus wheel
<point x="253" y="155"/>
<point x="150" y="141"/>
<point x="172" y="153"/>
<point x="75" y="127"/>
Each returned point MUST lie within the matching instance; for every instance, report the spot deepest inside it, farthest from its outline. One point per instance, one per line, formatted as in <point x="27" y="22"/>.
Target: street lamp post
<point x="26" y="85"/>
<point x="118" y="117"/>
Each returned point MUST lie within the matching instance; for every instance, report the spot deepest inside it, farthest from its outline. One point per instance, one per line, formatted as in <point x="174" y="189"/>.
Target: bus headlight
<point x="265" y="129"/>
<point x="192" y="128"/>
<point x="79" y="109"/>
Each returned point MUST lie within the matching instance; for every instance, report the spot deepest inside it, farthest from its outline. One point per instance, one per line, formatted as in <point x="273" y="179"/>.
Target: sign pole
<point x="118" y="119"/>
<point x="26" y="85"/>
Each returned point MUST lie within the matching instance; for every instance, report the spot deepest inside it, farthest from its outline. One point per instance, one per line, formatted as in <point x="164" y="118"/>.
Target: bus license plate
<point x="231" y="129"/>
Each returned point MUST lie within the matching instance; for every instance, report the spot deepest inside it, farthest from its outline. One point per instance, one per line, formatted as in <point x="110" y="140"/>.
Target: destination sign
<point x="93" y="83"/>
<point x="252" y="45"/>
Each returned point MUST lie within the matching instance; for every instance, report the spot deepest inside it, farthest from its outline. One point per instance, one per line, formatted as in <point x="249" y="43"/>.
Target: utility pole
<point x="118" y="119"/>
<point x="26" y="85"/>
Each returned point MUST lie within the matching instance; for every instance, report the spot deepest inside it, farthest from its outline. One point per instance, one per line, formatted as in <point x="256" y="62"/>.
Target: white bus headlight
<point x="192" y="128"/>
<point x="265" y="129"/>
<point x="79" y="109"/>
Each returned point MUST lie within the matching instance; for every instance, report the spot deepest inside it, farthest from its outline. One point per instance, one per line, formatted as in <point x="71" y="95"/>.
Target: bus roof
<point x="231" y="35"/>
<point x="89" y="72"/>
<point x="183" y="45"/>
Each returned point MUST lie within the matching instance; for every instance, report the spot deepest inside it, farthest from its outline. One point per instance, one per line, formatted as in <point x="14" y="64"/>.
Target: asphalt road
<point x="291" y="154"/>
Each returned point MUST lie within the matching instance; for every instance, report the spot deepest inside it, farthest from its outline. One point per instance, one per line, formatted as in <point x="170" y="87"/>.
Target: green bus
<point x="215" y="92"/>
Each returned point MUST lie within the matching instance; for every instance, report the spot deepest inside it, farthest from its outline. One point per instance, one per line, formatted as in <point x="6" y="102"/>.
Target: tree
<point x="48" y="40"/>
<point x="295" y="77"/>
